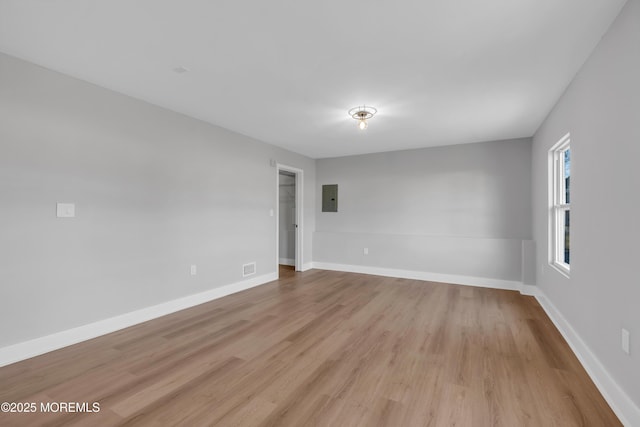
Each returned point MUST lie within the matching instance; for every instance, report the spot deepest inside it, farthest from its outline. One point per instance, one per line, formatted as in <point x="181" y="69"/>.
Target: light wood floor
<point x="323" y="348"/>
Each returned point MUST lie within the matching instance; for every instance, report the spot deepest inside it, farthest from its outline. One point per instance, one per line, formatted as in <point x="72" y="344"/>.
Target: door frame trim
<point x="299" y="176"/>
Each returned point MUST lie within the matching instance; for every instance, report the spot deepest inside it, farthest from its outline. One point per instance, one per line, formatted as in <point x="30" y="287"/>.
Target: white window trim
<point x="557" y="206"/>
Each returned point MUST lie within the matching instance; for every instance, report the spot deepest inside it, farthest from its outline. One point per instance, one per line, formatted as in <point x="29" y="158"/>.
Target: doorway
<point x="289" y="218"/>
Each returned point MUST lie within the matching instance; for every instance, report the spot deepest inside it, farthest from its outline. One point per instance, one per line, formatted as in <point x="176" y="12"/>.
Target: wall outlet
<point x="625" y="340"/>
<point x="365" y="251"/>
<point x="194" y="270"/>
<point x="65" y="210"/>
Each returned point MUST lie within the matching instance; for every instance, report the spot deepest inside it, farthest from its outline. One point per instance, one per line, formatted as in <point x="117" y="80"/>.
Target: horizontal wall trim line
<point x="433" y="236"/>
<point x="626" y="410"/>
<point x="482" y="282"/>
<point x="35" y="347"/>
<point x="287" y="261"/>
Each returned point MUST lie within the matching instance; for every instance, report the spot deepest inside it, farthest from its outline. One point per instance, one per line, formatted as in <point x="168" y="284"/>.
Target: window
<point x="560" y="212"/>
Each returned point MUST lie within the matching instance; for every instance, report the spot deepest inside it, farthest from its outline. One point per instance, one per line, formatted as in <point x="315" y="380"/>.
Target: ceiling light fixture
<point x="362" y="114"/>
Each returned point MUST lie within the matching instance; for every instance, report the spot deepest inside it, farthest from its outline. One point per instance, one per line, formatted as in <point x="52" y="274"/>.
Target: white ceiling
<point x="286" y="72"/>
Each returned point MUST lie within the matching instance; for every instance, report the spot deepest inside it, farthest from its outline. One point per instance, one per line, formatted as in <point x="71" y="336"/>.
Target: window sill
<point x="560" y="268"/>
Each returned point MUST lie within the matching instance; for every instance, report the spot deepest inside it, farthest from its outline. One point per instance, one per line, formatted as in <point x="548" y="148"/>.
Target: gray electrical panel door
<point x="330" y="198"/>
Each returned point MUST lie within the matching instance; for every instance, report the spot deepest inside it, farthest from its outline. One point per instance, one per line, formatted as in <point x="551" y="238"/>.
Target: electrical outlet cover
<point x="625" y="340"/>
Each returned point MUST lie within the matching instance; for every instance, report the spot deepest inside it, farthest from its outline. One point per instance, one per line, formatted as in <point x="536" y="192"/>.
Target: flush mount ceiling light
<point x="362" y="114"/>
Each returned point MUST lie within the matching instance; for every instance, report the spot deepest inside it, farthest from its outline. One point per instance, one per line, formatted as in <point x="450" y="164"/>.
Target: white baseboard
<point x="530" y="290"/>
<point x="482" y="282"/>
<point x="307" y="266"/>
<point x="626" y="410"/>
<point x="287" y="261"/>
<point x="27" y="349"/>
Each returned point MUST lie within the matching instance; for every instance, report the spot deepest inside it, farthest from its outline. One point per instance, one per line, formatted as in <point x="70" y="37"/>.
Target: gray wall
<point x="155" y="191"/>
<point x="601" y="109"/>
<point x="287" y="214"/>
<point x="462" y="210"/>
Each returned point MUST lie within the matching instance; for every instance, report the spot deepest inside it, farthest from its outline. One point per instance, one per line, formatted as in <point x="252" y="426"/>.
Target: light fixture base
<point x="362" y="114"/>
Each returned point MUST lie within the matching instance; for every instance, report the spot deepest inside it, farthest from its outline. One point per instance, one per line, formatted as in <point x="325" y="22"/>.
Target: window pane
<point x="567" y="175"/>
<point x="566" y="237"/>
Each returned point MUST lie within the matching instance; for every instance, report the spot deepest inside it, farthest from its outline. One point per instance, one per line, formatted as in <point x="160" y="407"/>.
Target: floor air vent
<point x="248" y="269"/>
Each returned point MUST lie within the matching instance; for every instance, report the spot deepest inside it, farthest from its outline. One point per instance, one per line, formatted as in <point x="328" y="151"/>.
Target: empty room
<point x="409" y="213"/>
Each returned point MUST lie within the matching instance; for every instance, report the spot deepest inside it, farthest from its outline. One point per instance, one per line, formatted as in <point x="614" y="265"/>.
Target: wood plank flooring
<point x="323" y="348"/>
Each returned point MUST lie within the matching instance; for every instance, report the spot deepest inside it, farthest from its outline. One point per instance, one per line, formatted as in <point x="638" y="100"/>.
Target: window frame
<point x="558" y="205"/>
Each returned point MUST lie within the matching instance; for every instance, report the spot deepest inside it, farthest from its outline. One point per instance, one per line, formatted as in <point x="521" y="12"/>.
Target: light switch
<point x="66" y="210"/>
